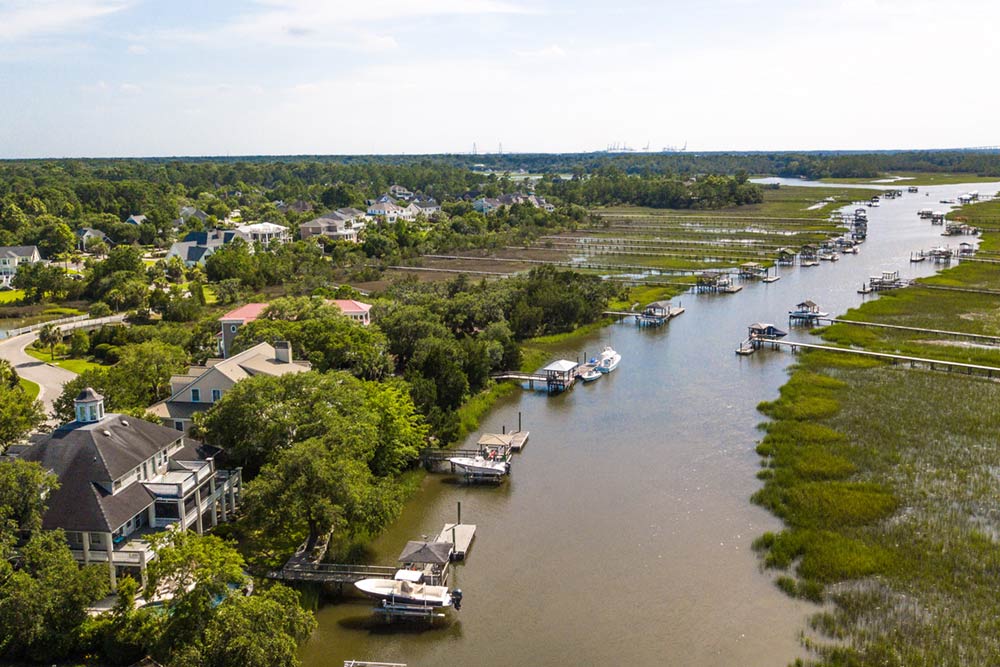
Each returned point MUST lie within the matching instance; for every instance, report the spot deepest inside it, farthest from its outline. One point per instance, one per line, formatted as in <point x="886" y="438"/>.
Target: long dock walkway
<point x="332" y="572"/>
<point x="932" y="364"/>
<point x="995" y="340"/>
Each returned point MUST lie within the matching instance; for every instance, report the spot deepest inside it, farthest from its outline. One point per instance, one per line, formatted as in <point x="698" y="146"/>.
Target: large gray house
<point x="122" y="478"/>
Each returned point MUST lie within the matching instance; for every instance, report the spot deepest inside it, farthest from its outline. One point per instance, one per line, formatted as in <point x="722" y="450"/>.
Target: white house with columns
<point x="123" y="478"/>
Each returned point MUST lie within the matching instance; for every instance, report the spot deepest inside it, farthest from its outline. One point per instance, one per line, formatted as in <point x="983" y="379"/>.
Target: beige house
<point x="123" y="478"/>
<point x="202" y="386"/>
<point x="11" y="257"/>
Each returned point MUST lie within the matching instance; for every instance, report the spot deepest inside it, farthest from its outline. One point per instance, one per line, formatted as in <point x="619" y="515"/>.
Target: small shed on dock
<point x="808" y="252"/>
<point x="807" y="306"/>
<point x="657" y="309"/>
<point x="786" y="256"/>
<point x="752" y="270"/>
<point x="765" y="331"/>
<point x="708" y="279"/>
<point x="432" y="558"/>
<point x="559" y="375"/>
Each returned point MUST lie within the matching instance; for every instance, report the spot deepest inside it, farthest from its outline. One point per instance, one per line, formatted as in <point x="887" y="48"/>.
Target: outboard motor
<point x="456" y="598"/>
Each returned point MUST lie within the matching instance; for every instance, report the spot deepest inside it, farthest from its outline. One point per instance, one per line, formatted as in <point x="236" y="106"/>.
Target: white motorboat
<point x="609" y="360"/>
<point x="591" y="375"/>
<point x="395" y="591"/>
<point x="487" y="466"/>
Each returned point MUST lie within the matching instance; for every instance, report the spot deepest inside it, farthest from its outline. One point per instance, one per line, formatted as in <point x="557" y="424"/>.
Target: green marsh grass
<point x="887" y="480"/>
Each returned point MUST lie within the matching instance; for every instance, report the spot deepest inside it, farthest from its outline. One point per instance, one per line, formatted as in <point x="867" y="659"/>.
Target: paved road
<point x="49" y="378"/>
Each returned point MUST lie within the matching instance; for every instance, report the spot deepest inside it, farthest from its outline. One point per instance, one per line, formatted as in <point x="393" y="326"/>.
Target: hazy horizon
<point x="135" y="78"/>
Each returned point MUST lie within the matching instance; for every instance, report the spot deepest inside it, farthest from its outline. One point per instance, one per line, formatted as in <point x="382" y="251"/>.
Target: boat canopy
<point x="416" y="551"/>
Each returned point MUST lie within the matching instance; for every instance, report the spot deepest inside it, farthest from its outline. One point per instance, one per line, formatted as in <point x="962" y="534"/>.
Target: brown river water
<point x="623" y="534"/>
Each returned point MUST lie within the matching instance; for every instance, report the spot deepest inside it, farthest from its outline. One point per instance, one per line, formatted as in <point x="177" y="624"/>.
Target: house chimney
<point x="283" y="352"/>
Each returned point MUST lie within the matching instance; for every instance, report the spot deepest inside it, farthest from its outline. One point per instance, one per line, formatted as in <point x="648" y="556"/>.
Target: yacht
<point x="609" y="360"/>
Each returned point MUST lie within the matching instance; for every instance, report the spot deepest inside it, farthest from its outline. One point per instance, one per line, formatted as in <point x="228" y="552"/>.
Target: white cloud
<point x="130" y="88"/>
<point x="137" y="49"/>
<point x="345" y="24"/>
<point x="553" y="51"/>
<point x="26" y="19"/>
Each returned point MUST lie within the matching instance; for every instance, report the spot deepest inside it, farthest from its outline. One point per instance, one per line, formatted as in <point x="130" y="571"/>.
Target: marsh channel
<point x="623" y="534"/>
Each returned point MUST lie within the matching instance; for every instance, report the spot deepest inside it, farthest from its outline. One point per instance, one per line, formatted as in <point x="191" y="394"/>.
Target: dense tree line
<point x="611" y="186"/>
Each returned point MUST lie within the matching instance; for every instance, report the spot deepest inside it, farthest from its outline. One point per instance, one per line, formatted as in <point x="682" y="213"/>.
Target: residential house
<point x="202" y="386"/>
<point x="86" y="236"/>
<point x="233" y="320"/>
<point x="399" y="192"/>
<point x="135" y="219"/>
<point x="13" y="256"/>
<point x="486" y="205"/>
<point x="191" y="211"/>
<point x="355" y="310"/>
<point x="428" y="206"/>
<point x="489" y="204"/>
<point x="344" y="224"/>
<point x="265" y="233"/>
<point x="389" y="211"/>
<point x="198" y="246"/>
<point x="121" y="478"/>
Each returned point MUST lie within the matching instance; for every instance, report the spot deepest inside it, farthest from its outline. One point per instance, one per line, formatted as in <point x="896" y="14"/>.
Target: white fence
<point x="67" y="324"/>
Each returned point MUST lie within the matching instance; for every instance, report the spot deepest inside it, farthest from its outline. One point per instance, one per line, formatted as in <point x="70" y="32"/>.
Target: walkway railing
<point x="69" y="324"/>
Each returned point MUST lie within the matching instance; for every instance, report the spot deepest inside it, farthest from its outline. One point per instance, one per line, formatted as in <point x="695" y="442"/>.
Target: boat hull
<point x="483" y="467"/>
<point x="402" y="592"/>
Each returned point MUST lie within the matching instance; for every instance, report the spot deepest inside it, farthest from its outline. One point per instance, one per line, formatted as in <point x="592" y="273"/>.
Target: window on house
<point x="195" y="395"/>
<point x="216" y="395"/>
<point x="179" y="425"/>
<point x="232" y="328"/>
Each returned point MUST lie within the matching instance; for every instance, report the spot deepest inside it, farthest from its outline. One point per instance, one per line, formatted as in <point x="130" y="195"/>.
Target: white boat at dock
<point x="490" y="465"/>
<point x="591" y="375"/>
<point x="401" y="591"/>
<point x="608" y="360"/>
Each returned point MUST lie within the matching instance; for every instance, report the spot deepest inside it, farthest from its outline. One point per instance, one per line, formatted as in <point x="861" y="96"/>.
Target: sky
<point x="94" y="78"/>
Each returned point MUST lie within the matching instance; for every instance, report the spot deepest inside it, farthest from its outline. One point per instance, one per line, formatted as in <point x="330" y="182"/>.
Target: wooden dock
<point x="331" y="573"/>
<point x="459" y="536"/>
<point x="982" y="338"/>
<point x="932" y="364"/>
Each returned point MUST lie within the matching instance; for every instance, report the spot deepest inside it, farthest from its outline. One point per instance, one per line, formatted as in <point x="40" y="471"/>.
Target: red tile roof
<point x="247" y="313"/>
<point x="351" y="306"/>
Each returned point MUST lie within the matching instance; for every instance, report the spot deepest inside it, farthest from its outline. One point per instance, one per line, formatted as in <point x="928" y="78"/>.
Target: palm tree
<point x="50" y="335"/>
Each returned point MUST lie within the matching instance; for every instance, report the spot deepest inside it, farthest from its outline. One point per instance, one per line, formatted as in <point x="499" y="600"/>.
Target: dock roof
<point x="561" y="366"/>
<point x="495" y="440"/>
<point x="416" y="551"/>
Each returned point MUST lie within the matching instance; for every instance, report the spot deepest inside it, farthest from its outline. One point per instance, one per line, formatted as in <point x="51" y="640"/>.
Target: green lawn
<point x="10" y="296"/>
<point x="30" y="388"/>
<point x="74" y="365"/>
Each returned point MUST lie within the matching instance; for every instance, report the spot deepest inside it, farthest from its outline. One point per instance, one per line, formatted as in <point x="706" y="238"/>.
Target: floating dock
<point x="459" y="536"/>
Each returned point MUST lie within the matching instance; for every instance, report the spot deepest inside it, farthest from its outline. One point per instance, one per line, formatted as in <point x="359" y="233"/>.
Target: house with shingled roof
<point x="13" y="256"/>
<point x="203" y="386"/>
<point x="344" y="224"/>
<point x="122" y="478"/>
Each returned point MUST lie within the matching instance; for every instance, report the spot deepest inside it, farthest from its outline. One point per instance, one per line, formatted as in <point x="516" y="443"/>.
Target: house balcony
<point x="178" y="483"/>
<point x="134" y="551"/>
